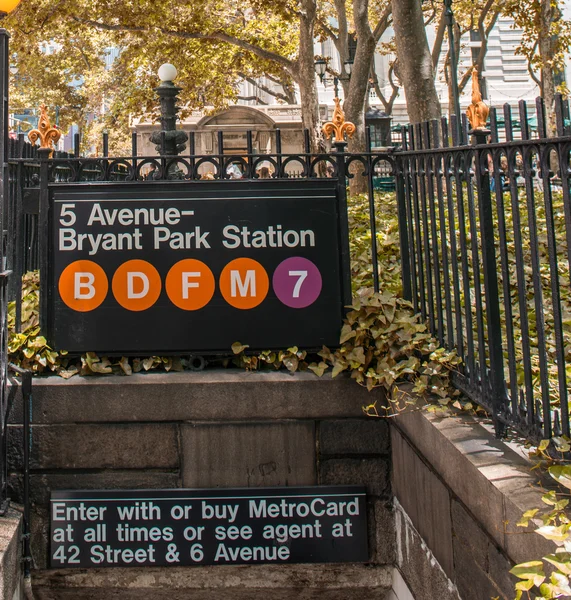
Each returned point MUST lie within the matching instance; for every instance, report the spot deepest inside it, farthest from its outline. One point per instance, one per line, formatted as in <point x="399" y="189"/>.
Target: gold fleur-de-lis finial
<point x="47" y="134"/>
<point x="338" y="125"/>
<point x="478" y="111"/>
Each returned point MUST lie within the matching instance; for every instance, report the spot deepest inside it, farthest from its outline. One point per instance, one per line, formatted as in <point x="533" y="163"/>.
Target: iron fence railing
<point x="489" y="231"/>
<point x="485" y="233"/>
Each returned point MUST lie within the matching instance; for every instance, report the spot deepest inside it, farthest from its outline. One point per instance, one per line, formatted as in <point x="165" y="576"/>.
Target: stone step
<point x="286" y="582"/>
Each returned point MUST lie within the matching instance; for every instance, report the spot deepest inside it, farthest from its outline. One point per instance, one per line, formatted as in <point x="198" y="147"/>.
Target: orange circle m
<point x="190" y="284"/>
<point x="83" y="285"/>
<point x="136" y="285"/>
<point x="244" y="283"/>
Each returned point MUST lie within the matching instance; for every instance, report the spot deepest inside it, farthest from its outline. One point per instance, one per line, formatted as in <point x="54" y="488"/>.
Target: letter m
<point x="237" y="285"/>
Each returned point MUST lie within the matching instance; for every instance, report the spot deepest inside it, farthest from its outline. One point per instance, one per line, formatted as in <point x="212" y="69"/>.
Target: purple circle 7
<point x="297" y="282"/>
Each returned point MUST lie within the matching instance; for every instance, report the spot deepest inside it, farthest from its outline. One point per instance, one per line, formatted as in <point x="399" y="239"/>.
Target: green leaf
<point x="237" y="347"/>
<point x="561" y="560"/>
<point x="318" y="369"/>
<point x="550" y="532"/>
<point x="528" y="570"/>
<point x="561" y="474"/>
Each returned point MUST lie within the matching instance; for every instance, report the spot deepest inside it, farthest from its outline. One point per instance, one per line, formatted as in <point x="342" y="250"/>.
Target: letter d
<point x="131" y="294"/>
<point x="83" y="281"/>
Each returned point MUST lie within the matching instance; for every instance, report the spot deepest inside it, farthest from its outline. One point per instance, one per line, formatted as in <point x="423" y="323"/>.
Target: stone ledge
<point x="195" y="396"/>
<point x="248" y="582"/>
<point x="10" y="554"/>
<point x="491" y="479"/>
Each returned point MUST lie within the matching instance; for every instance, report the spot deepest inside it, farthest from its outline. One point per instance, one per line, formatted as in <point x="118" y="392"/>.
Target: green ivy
<point x="553" y="523"/>
<point x="382" y="342"/>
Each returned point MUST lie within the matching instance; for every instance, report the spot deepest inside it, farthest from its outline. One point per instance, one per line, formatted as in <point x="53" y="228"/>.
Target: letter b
<point x="84" y="281"/>
<point x="83" y="285"/>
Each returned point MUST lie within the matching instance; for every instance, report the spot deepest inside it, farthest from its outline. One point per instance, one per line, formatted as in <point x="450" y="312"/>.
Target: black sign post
<point x="196" y="266"/>
<point x="132" y="528"/>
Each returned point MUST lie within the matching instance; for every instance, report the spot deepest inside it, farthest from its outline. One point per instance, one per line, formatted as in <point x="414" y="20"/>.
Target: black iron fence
<point x="485" y="238"/>
<point x="487" y="231"/>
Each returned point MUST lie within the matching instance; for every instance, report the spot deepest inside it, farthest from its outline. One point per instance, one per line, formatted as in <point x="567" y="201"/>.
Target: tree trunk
<point x="306" y="73"/>
<point x="547" y="52"/>
<point x="415" y="61"/>
<point x="356" y="102"/>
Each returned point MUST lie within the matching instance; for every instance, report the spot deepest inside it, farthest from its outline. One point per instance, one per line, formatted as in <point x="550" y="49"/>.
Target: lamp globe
<point x="167" y="72"/>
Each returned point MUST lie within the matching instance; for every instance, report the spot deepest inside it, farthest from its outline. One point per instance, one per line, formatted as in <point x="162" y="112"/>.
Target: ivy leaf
<point x="237" y="347"/>
<point x="530" y="571"/>
<point x="550" y="532"/>
<point x="527" y="515"/>
<point x="318" y="369"/>
<point x="561" y="474"/>
<point x="347" y="333"/>
<point x="560" y="560"/>
<point x="125" y="366"/>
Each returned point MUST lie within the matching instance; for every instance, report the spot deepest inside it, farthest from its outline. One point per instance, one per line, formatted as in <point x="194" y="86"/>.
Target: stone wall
<point x="459" y="493"/>
<point x="208" y="429"/>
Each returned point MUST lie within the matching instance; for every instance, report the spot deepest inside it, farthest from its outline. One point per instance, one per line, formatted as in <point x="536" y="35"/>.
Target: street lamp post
<point x="6" y="6"/>
<point x="449" y="14"/>
<point x="174" y="141"/>
<point x="321" y="69"/>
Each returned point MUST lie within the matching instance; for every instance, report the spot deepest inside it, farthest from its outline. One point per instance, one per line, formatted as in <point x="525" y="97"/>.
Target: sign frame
<point x="199" y="527"/>
<point x="225" y="188"/>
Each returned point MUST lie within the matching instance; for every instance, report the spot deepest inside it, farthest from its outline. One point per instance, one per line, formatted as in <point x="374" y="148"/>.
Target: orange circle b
<point x="83" y="285"/>
<point x="190" y="284"/>
<point x="136" y="285"/>
<point x="244" y="283"/>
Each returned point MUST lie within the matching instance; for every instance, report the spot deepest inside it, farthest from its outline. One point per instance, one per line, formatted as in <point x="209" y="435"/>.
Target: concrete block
<point x="472" y="581"/>
<point x="457" y="449"/>
<point x="470" y="535"/>
<point x="108" y="446"/>
<point x="382" y="542"/>
<point x="523" y="544"/>
<point x="222" y="395"/>
<point x="499" y="570"/>
<point x="418" y="566"/>
<point x="424" y="498"/>
<point x="371" y="472"/>
<point x="10" y="553"/>
<point x="354" y="437"/>
<point x="245" y="582"/>
<point x="42" y="484"/>
<point x="248" y="454"/>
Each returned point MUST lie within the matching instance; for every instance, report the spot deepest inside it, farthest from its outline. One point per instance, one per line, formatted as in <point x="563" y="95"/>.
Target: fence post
<point x="496" y="381"/>
<point x="343" y="220"/>
<point x="43" y="234"/>
<point x="406" y="274"/>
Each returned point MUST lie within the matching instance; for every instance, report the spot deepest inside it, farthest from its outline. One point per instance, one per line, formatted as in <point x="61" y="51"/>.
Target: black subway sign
<point x="133" y="528"/>
<point x="191" y="267"/>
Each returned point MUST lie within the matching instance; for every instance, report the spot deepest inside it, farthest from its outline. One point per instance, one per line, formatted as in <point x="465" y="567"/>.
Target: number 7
<point x="302" y="277"/>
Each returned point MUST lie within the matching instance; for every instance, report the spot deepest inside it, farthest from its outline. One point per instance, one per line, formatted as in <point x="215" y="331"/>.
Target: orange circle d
<point x="83" y="285"/>
<point x="136" y="285"/>
<point x="190" y="284"/>
<point x="244" y="283"/>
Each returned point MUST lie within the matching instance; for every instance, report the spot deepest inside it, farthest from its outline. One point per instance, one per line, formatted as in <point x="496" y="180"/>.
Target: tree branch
<point x="439" y="40"/>
<point x="484" y="31"/>
<point x="288" y="64"/>
<point x="327" y="30"/>
<point x="264" y="88"/>
<point x="383" y="23"/>
<point x="387" y="103"/>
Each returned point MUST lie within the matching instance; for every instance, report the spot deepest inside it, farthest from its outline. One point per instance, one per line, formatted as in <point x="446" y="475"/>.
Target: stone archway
<point x="235" y="122"/>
